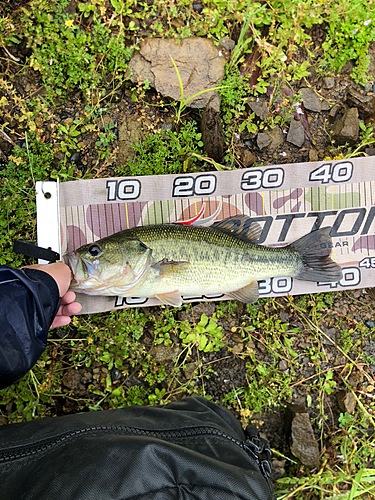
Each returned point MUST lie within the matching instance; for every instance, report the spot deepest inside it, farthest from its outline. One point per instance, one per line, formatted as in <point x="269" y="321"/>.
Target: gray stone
<point x="325" y="105"/>
<point x="328" y="82"/>
<point x="227" y="43"/>
<point x="199" y="64"/>
<point x="303" y="443"/>
<point x="260" y="108"/>
<point x="310" y="100"/>
<point x="129" y="133"/>
<point x="283" y="365"/>
<point x="346" y="401"/>
<point x="368" y="87"/>
<point x="263" y="140"/>
<point x="276" y="137"/>
<point x="296" y="133"/>
<point x="334" y="112"/>
<point x="364" y="103"/>
<point x="346" y="129"/>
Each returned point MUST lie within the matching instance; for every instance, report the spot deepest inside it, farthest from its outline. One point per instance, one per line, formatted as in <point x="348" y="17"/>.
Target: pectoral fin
<point x="166" y="266"/>
<point x="171" y="299"/>
<point x="247" y="294"/>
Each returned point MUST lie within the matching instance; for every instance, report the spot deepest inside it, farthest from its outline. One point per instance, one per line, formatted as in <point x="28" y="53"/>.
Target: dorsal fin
<point x="240" y="225"/>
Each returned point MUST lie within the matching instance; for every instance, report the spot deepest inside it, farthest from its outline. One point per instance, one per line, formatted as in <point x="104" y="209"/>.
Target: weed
<point x="67" y="55"/>
<point x="164" y="153"/>
<point x="34" y="162"/>
<point x="206" y="336"/>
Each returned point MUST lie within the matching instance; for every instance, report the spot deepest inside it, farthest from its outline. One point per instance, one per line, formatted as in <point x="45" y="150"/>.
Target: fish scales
<point x="216" y="258"/>
<point x="168" y="261"/>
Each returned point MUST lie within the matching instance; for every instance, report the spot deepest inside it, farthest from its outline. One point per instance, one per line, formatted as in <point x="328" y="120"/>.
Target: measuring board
<point x="288" y="201"/>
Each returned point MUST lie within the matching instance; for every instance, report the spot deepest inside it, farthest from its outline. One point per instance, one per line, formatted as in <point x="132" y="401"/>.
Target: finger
<point x="69" y="309"/>
<point x="60" y="321"/>
<point x="68" y="298"/>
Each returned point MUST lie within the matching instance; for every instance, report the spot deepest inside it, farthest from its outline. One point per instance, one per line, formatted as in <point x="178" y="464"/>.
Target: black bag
<point x="192" y="449"/>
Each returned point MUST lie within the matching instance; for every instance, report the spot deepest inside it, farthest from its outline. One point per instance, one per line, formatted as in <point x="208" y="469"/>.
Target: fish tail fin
<point x="314" y="249"/>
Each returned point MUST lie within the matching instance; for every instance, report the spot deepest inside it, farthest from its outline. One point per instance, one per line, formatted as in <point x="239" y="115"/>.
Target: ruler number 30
<point x="340" y="172"/>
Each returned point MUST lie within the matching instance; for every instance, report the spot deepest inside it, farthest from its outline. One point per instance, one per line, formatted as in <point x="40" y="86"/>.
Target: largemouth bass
<point x="172" y="260"/>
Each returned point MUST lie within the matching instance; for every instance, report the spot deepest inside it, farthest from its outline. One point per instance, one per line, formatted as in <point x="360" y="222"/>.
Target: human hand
<point x="62" y="274"/>
<point x="67" y="308"/>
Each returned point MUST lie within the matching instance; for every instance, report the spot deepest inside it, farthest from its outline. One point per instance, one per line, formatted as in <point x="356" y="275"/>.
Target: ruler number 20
<point x="340" y="172"/>
<point x="189" y="186"/>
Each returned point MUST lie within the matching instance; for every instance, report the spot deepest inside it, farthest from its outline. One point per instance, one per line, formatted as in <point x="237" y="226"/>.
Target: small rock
<point x="331" y="333"/>
<point x="364" y="103"/>
<point x="278" y="469"/>
<point x="263" y="140"/>
<point x="328" y="82"/>
<point x="71" y="379"/>
<point x="260" y="108"/>
<point x="354" y="379"/>
<point x="227" y="43"/>
<point x="346" y="401"/>
<point x="276" y="137"/>
<point x="370" y="151"/>
<point x="296" y="133"/>
<point x="237" y="348"/>
<point x="310" y="100"/>
<point x="334" y="112"/>
<point x="163" y="353"/>
<point x="76" y="157"/>
<point x="248" y="158"/>
<point x="197" y="7"/>
<point x="283" y="365"/>
<point x="303" y="443"/>
<point x="367" y="87"/>
<point x="313" y="155"/>
<point x="3" y="420"/>
<point x="346" y="130"/>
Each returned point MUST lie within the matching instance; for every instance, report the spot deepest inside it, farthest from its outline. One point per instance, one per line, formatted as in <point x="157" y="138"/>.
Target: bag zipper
<point x="253" y="447"/>
<point x="43" y="445"/>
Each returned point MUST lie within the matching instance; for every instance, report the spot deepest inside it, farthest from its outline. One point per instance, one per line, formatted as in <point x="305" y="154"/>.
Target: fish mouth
<point x="71" y="260"/>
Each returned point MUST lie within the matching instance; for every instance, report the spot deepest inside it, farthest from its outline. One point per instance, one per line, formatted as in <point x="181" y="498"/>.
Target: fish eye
<point x="95" y="250"/>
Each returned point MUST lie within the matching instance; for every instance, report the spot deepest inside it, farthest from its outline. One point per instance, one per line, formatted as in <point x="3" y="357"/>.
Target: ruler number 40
<point x="340" y="172"/>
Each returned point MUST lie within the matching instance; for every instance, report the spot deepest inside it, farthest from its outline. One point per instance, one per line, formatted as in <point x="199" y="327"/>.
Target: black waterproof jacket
<point x="29" y="300"/>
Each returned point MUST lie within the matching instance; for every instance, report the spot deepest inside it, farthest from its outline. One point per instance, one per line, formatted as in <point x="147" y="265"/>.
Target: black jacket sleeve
<point x="29" y="301"/>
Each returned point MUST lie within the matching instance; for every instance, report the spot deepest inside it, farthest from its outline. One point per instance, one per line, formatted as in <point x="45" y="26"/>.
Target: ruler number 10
<point x="340" y="172"/>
